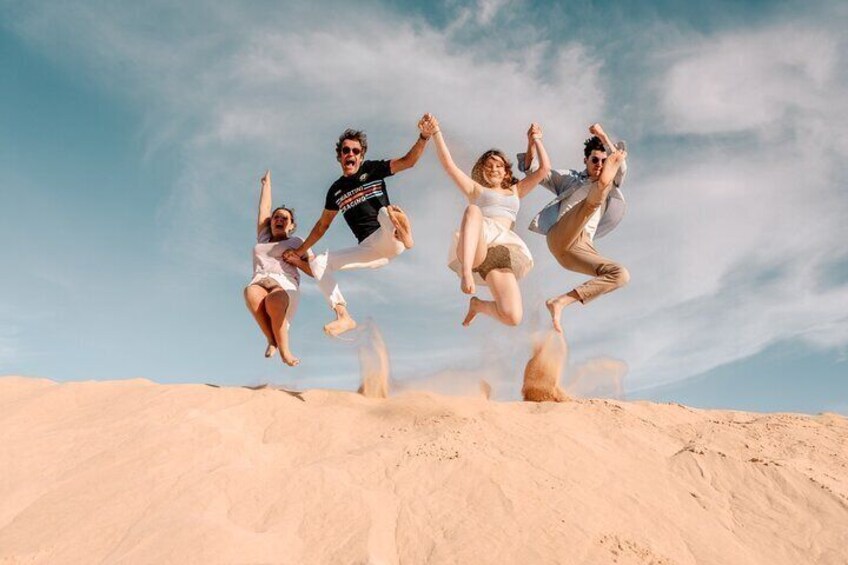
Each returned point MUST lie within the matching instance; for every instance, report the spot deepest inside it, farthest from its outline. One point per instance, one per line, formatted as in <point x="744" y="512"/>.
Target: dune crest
<point x="136" y="472"/>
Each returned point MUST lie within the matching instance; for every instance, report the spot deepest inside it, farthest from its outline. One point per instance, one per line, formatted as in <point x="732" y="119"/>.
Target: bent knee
<point x="277" y="298"/>
<point x="512" y="316"/>
<point x="622" y="276"/>
<point x="617" y="273"/>
<point x="253" y="293"/>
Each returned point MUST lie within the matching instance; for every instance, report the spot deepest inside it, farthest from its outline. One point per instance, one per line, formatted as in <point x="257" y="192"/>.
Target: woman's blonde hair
<point x="477" y="171"/>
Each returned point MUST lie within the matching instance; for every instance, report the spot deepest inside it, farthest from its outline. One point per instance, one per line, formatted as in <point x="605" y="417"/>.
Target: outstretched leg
<point x="277" y="304"/>
<point x="254" y="298"/>
<point x="506" y="306"/>
<point x="572" y="247"/>
<point x="471" y="248"/>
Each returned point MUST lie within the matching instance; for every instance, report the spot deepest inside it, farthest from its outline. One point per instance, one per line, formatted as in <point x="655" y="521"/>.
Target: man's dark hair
<point x="355" y="135"/>
<point x="594" y="143"/>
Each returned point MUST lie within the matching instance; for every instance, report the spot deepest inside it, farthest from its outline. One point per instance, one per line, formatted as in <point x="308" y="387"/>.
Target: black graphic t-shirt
<point x="360" y="197"/>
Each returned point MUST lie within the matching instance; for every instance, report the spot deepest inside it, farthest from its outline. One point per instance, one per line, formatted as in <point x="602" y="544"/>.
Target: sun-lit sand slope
<point x="135" y="472"/>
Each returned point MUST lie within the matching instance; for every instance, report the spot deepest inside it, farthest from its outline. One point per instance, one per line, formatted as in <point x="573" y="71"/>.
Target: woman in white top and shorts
<point x="485" y="249"/>
<point x="273" y="292"/>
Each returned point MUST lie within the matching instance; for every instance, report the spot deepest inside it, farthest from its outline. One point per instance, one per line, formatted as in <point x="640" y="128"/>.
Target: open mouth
<point x="349" y="162"/>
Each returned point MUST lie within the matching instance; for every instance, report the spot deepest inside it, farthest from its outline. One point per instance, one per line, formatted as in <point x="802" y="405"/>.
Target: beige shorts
<point x="515" y="257"/>
<point x="273" y="281"/>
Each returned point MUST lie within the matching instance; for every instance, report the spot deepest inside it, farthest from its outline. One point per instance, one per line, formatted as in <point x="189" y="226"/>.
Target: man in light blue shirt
<point x="588" y="204"/>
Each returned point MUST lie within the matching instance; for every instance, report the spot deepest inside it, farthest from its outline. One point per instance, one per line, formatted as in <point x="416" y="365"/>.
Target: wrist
<point x="422" y="137"/>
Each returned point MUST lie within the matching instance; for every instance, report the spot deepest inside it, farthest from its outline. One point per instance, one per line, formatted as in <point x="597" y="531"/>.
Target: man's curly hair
<point x="594" y="143"/>
<point x="355" y="135"/>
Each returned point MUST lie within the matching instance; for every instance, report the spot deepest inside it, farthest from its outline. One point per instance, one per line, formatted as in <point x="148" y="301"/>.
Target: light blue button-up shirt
<point x="572" y="187"/>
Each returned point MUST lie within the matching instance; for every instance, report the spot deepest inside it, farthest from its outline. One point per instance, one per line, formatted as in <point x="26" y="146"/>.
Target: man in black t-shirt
<point x="382" y="230"/>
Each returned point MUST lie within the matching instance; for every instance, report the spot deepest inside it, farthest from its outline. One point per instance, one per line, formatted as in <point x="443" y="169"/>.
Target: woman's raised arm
<point x="429" y="127"/>
<point x="263" y="219"/>
<point x="528" y="183"/>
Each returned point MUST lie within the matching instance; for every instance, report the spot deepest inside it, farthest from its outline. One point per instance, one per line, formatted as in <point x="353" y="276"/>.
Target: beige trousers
<point x="573" y="249"/>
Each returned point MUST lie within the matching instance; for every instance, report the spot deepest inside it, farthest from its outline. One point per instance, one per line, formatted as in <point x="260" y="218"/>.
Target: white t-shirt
<point x="592" y="225"/>
<point x="268" y="256"/>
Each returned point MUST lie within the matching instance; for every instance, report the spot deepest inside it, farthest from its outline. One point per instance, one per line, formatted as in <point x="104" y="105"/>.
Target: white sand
<point x="135" y="472"/>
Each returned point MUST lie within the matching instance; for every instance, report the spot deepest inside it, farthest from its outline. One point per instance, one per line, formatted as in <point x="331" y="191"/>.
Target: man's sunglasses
<point x="596" y="160"/>
<point x="348" y="150"/>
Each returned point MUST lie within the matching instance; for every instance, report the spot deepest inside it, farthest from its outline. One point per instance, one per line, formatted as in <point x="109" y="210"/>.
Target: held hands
<point x="291" y="257"/>
<point x="428" y="125"/>
<point x="617" y="157"/>
<point x="534" y="133"/>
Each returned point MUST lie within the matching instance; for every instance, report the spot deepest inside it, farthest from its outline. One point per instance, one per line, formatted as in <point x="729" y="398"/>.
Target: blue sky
<point x="133" y="138"/>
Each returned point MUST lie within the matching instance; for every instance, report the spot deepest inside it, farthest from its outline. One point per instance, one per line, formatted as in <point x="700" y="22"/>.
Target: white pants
<point x="375" y="251"/>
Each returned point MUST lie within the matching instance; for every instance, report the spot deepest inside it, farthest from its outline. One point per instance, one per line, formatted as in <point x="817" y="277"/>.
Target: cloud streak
<point x="736" y="199"/>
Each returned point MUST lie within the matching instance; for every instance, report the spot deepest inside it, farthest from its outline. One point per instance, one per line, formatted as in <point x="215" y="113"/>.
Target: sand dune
<point x="136" y="472"/>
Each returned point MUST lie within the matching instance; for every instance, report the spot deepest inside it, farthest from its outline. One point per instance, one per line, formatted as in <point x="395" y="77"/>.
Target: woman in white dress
<point x="273" y="292"/>
<point x="485" y="249"/>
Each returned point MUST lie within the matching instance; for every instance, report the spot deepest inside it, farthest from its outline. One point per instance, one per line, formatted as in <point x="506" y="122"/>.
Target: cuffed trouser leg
<point x="374" y="252"/>
<point x="573" y="249"/>
<point x="582" y="257"/>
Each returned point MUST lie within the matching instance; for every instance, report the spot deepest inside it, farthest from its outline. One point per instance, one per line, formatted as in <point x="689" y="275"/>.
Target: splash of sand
<point x="602" y="377"/>
<point x="373" y="362"/>
<point x="541" y="374"/>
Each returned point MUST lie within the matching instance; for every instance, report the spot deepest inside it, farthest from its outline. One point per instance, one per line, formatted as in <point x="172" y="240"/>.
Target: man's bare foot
<point x="473" y="309"/>
<point x="270" y="350"/>
<point x="289" y="359"/>
<point x="466" y="284"/>
<point x="555" y="307"/>
<point x="340" y="326"/>
<point x="403" y="229"/>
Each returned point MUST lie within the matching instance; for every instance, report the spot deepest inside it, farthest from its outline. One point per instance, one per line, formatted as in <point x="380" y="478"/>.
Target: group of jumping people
<point x="485" y="250"/>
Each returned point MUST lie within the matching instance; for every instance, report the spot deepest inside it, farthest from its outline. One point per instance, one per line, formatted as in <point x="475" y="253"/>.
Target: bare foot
<point x="403" y="229"/>
<point x="555" y="308"/>
<point x="340" y="326"/>
<point x="473" y="307"/>
<point x="289" y="359"/>
<point x="270" y="350"/>
<point x="467" y="283"/>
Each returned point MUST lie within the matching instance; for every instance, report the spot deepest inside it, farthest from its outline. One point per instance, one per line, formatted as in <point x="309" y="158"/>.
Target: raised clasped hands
<point x="428" y="125"/>
<point x="534" y="132"/>
<point x="618" y="156"/>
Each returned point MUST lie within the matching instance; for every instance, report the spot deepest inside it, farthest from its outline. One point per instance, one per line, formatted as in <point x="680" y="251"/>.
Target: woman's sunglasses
<point x="348" y="150"/>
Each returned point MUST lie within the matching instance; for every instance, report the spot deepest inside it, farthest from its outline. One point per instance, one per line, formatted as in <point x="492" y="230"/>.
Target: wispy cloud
<point x="735" y="191"/>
